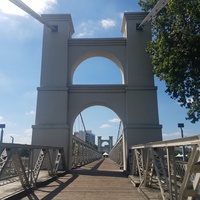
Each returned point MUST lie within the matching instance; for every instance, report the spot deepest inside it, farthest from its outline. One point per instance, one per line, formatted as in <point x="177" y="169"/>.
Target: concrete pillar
<point x="142" y="123"/>
<point x="99" y="143"/>
<point x="52" y="124"/>
<point x="110" y="142"/>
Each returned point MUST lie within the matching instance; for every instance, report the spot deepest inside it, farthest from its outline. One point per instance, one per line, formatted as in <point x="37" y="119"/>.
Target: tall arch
<point x="102" y="120"/>
<point x="59" y="100"/>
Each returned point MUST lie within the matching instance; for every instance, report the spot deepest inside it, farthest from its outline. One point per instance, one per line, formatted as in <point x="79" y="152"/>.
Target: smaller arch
<point x="104" y="142"/>
<point x="92" y="54"/>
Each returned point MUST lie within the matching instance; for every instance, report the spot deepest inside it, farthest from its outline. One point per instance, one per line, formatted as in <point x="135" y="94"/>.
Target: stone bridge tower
<point x="59" y="101"/>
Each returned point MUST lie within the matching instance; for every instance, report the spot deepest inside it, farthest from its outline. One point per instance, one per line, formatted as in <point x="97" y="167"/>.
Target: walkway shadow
<point x="99" y="173"/>
<point x="93" y="171"/>
<point x="62" y="186"/>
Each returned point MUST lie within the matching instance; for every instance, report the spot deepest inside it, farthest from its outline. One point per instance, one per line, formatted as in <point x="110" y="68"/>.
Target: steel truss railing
<point x="116" y="153"/>
<point x="83" y="153"/>
<point x="157" y="167"/>
<point x="25" y="162"/>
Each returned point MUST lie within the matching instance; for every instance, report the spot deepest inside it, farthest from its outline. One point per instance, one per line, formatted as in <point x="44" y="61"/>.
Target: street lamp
<point x="12" y="139"/>
<point x="2" y="126"/>
<point x="181" y="126"/>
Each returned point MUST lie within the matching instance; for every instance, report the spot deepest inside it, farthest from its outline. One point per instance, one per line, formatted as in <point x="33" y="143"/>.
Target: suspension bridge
<point x="65" y="167"/>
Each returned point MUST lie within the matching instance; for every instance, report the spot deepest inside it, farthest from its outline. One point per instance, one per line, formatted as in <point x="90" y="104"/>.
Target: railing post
<point x="158" y="159"/>
<point x="148" y="176"/>
<point x="171" y="166"/>
<point x="170" y="174"/>
<point x="140" y="164"/>
<point x="20" y="168"/>
<point x="193" y="167"/>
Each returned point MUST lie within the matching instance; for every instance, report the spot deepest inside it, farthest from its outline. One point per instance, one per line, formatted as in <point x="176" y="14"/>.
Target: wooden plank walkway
<point x="100" y="180"/>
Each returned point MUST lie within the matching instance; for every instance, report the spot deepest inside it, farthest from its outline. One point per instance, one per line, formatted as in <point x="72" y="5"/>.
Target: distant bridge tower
<point x="108" y="147"/>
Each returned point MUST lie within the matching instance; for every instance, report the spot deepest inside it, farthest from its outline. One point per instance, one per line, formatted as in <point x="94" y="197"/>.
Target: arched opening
<point x="105" y="147"/>
<point x="100" y="121"/>
<point x="104" y="144"/>
<point x="98" y="70"/>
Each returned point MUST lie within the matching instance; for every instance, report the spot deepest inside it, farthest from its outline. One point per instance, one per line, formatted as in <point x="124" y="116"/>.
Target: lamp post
<point x="2" y="126"/>
<point x="12" y="139"/>
<point x="181" y="126"/>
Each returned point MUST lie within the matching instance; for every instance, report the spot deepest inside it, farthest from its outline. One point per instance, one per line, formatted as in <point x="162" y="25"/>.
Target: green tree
<point x="175" y="51"/>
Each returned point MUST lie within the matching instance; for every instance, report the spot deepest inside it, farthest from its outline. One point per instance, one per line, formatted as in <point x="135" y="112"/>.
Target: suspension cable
<point x="31" y="12"/>
<point x="120" y="123"/>
<point x="83" y="123"/>
<point x="160" y="5"/>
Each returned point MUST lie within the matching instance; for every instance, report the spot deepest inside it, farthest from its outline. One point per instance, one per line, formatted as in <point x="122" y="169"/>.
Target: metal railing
<point x="157" y="167"/>
<point x="25" y="162"/>
<point x="116" y="153"/>
<point x="83" y="153"/>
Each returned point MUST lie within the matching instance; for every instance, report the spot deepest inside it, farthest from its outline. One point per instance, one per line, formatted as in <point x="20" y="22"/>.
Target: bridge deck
<point x="98" y="180"/>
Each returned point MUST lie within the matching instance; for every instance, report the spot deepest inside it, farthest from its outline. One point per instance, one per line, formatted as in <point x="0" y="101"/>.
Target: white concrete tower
<point x="59" y="101"/>
<point x="51" y="125"/>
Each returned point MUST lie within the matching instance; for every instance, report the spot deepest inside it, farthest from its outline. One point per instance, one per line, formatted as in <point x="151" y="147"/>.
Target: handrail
<point x="83" y="153"/>
<point x="116" y="153"/>
<point x="157" y="166"/>
<point x="25" y="162"/>
<point x="170" y="143"/>
<point x="27" y="146"/>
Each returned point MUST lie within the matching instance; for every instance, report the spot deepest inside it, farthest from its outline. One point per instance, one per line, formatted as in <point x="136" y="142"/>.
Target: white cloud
<point x="121" y="15"/>
<point x="5" y="82"/>
<point x="1" y="120"/>
<point x="86" y="29"/>
<point x="30" y="95"/>
<point x="171" y="136"/>
<point x="108" y="23"/>
<point x="115" y="120"/>
<point x="24" y="138"/>
<point x="89" y="28"/>
<point x="32" y="112"/>
<point x="176" y="135"/>
<point x="37" y="5"/>
<point x="28" y="132"/>
<point x="105" y="126"/>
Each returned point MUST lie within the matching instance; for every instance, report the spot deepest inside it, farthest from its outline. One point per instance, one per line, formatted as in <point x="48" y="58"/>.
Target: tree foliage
<point x="175" y="51"/>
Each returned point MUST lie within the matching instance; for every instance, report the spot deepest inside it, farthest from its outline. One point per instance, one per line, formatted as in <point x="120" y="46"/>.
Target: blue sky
<point x="20" y="65"/>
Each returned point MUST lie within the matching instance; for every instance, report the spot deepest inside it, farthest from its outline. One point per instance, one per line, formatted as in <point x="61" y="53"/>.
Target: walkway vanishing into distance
<point x="98" y="180"/>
